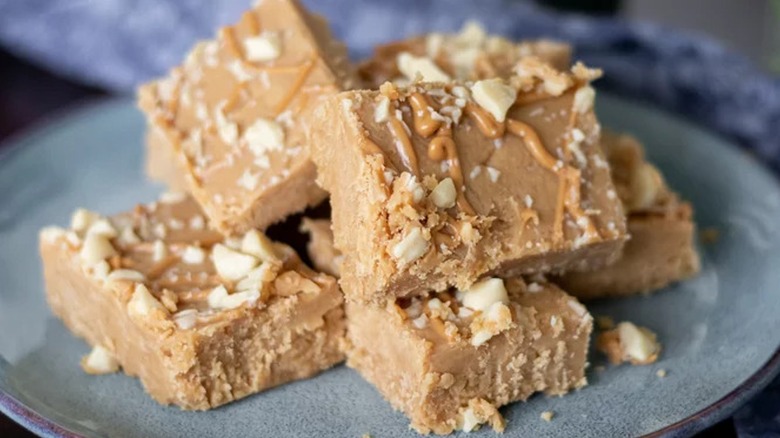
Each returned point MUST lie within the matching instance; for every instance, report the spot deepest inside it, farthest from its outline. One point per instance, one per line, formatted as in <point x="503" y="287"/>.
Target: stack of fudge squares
<point x="474" y="199"/>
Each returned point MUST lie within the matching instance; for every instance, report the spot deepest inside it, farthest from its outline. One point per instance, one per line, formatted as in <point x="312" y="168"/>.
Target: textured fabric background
<point x="120" y="43"/>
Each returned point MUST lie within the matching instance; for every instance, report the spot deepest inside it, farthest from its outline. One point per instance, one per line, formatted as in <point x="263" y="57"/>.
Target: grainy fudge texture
<point x="449" y="360"/>
<point x="471" y="54"/>
<point x="201" y="320"/>
<point x="435" y="185"/>
<point x="662" y="248"/>
<point x="233" y="116"/>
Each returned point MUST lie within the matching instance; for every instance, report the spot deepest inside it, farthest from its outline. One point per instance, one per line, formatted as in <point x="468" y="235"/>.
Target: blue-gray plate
<point x="720" y="331"/>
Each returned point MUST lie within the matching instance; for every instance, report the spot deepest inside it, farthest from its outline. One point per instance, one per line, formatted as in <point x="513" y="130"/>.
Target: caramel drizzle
<point x="569" y="196"/>
<point x="443" y="147"/>
<point x="404" y="145"/>
<point x="424" y="123"/>
<point x="488" y="125"/>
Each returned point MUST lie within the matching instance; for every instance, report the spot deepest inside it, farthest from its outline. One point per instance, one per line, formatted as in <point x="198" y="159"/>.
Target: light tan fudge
<point x="234" y="116"/>
<point x="471" y="54"/>
<point x="201" y="320"/>
<point x="662" y="249"/>
<point x="448" y="361"/>
<point x="324" y="256"/>
<point x="429" y="190"/>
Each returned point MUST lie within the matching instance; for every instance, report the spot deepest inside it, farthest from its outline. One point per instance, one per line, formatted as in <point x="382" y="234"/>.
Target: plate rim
<point x="41" y="425"/>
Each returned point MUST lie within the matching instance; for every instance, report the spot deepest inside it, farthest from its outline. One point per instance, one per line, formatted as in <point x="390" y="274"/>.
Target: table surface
<point x="28" y="95"/>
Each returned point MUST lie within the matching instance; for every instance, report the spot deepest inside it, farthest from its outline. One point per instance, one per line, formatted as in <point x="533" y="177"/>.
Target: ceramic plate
<point x="719" y="331"/>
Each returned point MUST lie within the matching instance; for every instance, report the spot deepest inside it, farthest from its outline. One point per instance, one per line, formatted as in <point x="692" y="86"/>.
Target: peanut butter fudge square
<point x="435" y="185"/>
<point x="662" y="249"/>
<point x="448" y="360"/>
<point x="200" y="319"/>
<point x="471" y="54"/>
<point x="233" y="116"/>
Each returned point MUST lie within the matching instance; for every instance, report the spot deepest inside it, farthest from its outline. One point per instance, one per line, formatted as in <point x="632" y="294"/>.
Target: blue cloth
<point x="121" y="43"/>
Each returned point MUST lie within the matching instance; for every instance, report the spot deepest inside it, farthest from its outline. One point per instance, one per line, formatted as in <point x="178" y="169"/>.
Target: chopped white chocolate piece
<point x="483" y="294"/>
<point x="411" y="247"/>
<point x="547" y="416"/>
<point x="128" y="237"/>
<point x="411" y="66"/>
<point x="444" y="194"/>
<point x="125" y="274"/>
<point x="494" y="96"/>
<point x="264" y="135"/>
<point x="262" y="48"/>
<point x="173" y="197"/>
<point x="193" y="255"/>
<point x="52" y="234"/>
<point x="96" y="248"/>
<point x="470" y="420"/>
<point x="219" y="298"/>
<point x="159" y="250"/>
<point x="99" y="361"/>
<point x="258" y="277"/>
<point x="142" y="303"/>
<point x="230" y="264"/>
<point x="101" y="269"/>
<point x="186" y="319"/>
<point x="382" y="111"/>
<point x="259" y="245"/>
<point x="584" y="98"/>
<point x="638" y="344"/>
<point x="102" y="227"/>
<point x="646" y="182"/>
<point x="82" y="219"/>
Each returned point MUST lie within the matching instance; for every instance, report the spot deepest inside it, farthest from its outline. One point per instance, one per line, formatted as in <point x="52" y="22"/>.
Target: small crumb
<point x="604" y="322"/>
<point x="599" y="368"/>
<point x="547" y="416"/>
<point x="661" y="373"/>
<point x="710" y="235"/>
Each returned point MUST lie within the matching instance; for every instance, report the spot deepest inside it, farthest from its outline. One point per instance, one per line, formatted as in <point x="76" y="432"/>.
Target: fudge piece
<point x="201" y="320"/>
<point x="662" y="247"/>
<point x="324" y="256"/>
<point x="449" y="360"/>
<point x="435" y="185"/>
<point x="471" y="54"/>
<point x="629" y="343"/>
<point x="234" y="116"/>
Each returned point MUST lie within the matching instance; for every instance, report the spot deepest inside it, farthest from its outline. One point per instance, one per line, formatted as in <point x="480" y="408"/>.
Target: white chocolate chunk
<point x="219" y="298"/>
<point x="637" y="344"/>
<point x="433" y="44"/>
<point x="142" y="303"/>
<point x="173" y="197"/>
<point x="186" y="319"/>
<point x="102" y="227"/>
<point x="444" y="194"/>
<point x="382" y="111"/>
<point x="99" y="361"/>
<point x="51" y="235"/>
<point x="411" y="66"/>
<point x="82" y="219"/>
<point x="259" y="245"/>
<point x="494" y="96"/>
<point x="230" y="264"/>
<point x="193" y="255"/>
<point x="159" y="250"/>
<point x="646" y="183"/>
<point x="411" y="247"/>
<point x="128" y="237"/>
<point x="472" y="34"/>
<point x="125" y="274"/>
<point x="100" y="270"/>
<point x="584" y="98"/>
<point x="262" y="48"/>
<point x="485" y="293"/>
<point x="96" y="248"/>
<point x="264" y="135"/>
<point x="257" y="278"/>
<point x="470" y="420"/>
